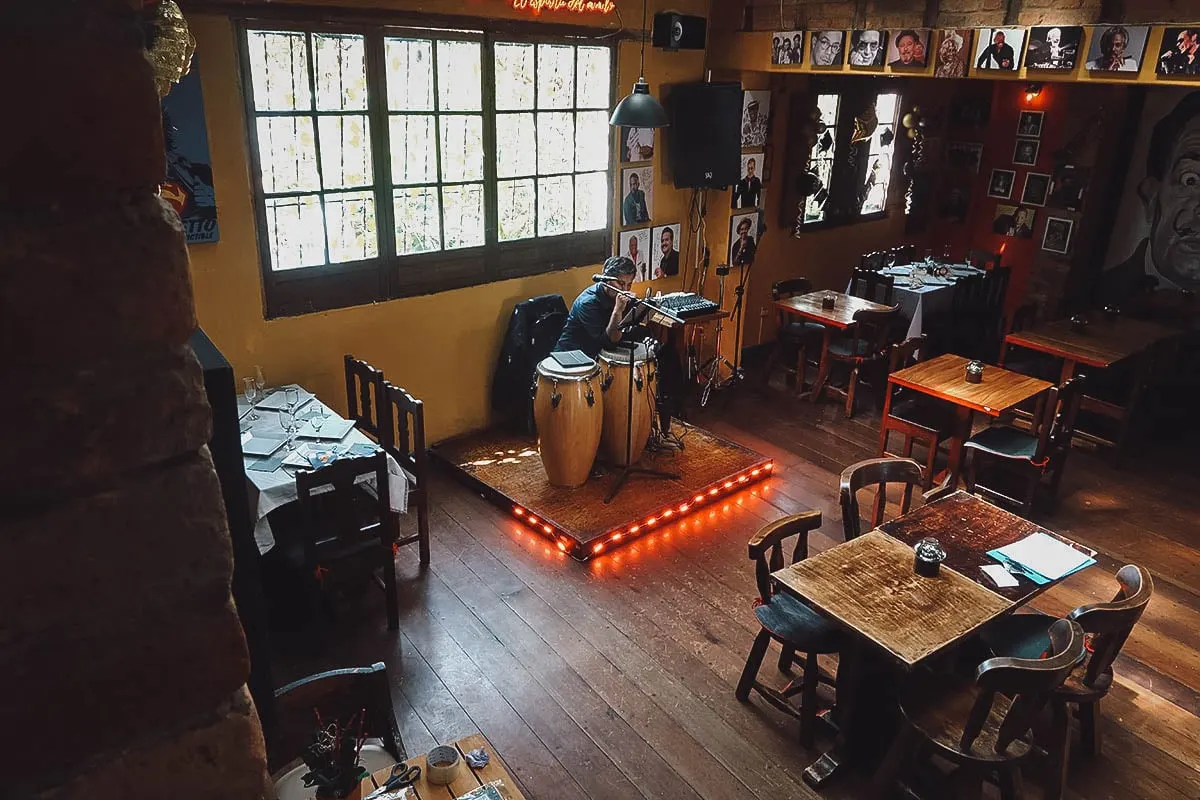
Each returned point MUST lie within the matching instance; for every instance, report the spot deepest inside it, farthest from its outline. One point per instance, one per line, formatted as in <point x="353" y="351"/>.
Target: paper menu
<point x="1046" y="555"/>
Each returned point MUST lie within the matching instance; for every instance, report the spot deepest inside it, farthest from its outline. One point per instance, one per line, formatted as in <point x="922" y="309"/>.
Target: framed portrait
<point x="965" y="155"/>
<point x="909" y="49"/>
<point x="1001" y="183"/>
<point x="1014" y="221"/>
<point x="999" y="49"/>
<point x="748" y="191"/>
<point x="827" y="48"/>
<point x="953" y="51"/>
<point x="664" y="251"/>
<point x="1037" y="187"/>
<point x="637" y="144"/>
<point x="868" y="48"/>
<point x="743" y="239"/>
<point x="637" y="195"/>
<point x="1067" y="187"/>
<point x="1025" y="152"/>
<point x="1117" y="48"/>
<point x="1053" y="47"/>
<point x="1029" y="123"/>
<point x="787" y="48"/>
<point x="635" y="245"/>
<point x="1057" y="237"/>
<point x="1179" y="53"/>
<point x="756" y="108"/>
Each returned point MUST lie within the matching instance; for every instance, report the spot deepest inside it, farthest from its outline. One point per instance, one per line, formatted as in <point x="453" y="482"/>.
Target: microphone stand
<point x="632" y="318"/>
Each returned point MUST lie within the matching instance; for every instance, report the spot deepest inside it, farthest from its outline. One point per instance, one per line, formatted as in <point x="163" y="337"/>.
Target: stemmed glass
<point x="319" y="415"/>
<point x="252" y="396"/>
<point x="292" y="397"/>
<point x="287" y="421"/>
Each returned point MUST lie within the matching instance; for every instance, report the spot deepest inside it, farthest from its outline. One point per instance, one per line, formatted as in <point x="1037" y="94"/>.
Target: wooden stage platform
<point x="508" y="471"/>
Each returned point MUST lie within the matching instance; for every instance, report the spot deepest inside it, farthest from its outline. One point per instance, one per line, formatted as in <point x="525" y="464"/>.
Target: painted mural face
<point x="1173" y="206"/>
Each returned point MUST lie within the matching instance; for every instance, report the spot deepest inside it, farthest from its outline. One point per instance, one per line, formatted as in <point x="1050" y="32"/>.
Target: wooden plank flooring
<point x="615" y="679"/>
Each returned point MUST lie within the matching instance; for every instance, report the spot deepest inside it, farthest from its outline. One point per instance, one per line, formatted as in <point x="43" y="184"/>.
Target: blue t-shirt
<point x="588" y="322"/>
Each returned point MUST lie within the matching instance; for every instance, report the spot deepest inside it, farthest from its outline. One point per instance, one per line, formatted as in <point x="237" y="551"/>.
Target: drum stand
<point x="632" y="319"/>
<point x="714" y="364"/>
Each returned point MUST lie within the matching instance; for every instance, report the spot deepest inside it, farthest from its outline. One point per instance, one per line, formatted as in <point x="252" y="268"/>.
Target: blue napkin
<point x="1026" y="572"/>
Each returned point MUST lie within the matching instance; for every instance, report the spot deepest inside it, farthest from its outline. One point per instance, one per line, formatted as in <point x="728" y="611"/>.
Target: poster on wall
<point x="637" y="195"/>
<point x="1117" y="48"/>
<point x="665" y="259"/>
<point x="999" y="48"/>
<point x="909" y="49"/>
<point x="1156" y="237"/>
<point x="743" y="239"/>
<point x="868" y="48"/>
<point x="756" y="108"/>
<point x="1053" y="47"/>
<point x="827" y="48"/>
<point x="787" y="47"/>
<point x="637" y="144"/>
<point x="1015" y="221"/>
<point x="635" y="245"/>
<point x="953" y="50"/>
<point x="747" y="192"/>
<point x="1179" y="53"/>
<point x="189" y="183"/>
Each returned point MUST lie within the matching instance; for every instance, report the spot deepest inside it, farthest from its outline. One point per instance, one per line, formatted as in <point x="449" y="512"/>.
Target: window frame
<point x="310" y="289"/>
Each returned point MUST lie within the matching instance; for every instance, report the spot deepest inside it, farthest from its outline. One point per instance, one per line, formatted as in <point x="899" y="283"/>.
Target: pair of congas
<point x="580" y="411"/>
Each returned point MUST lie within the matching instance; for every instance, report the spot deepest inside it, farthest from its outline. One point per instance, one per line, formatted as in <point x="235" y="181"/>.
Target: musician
<point x="596" y="314"/>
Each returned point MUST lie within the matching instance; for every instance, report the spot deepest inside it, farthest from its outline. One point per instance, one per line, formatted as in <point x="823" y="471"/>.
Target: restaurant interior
<point x="680" y="399"/>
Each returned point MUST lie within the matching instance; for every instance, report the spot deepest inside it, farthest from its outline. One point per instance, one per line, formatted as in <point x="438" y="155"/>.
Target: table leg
<point x="883" y="428"/>
<point x="1003" y="353"/>
<point x="1068" y="371"/>
<point x="823" y="367"/>
<point x="962" y="417"/>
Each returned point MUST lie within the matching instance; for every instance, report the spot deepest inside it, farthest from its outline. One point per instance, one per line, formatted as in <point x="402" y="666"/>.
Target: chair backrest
<point x="1023" y="318"/>
<point x="318" y="700"/>
<point x="1111" y="623"/>
<point x="873" y="261"/>
<point x="1028" y="681"/>
<point x="781" y="290"/>
<point x="339" y="523"/>
<point x="870" y="285"/>
<point x="907" y="353"/>
<point x="984" y="259"/>
<point x="1062" y="427"/>
<point x="995" y="288"/>
<point x="767" y="552"/>
<point x="903" y="254"/>
<point x="968" y="296"/>
<point x="873" y="331"/>
<point x="405" y="440"/>
<point x="877" y="472"/>
<point x="364" y="397"/>
<point x="545" y="333"/>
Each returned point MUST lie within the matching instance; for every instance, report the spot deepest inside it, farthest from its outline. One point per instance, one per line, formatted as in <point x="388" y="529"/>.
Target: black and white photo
<point x="1179" y="53"/>
<point x="787" y="48"/>
<point x="637" y="144"/>
<point x="999" y="48"/>
<point x="743" y="239"/>
<point x="1053" y="47"/>
<point x="868" y="48"/>
<point x="635" y="245"/>
<point x="664" y="242"/>
<point x="827" y="48"/>
<point x="747" y="192"/>
<point x="756" y="108"/>
<point x="1001" y="183"/>
<point x="1029" y="123"/>
<point x="1037" y="187"/>
<point x="1117" y="48"/>
<point x="1025" y="152"/>
<point x="1067" y="187"/>
<point x="1057" y="238"/>
<point x="1014" y="221"/>
<point x="637" y="195"/>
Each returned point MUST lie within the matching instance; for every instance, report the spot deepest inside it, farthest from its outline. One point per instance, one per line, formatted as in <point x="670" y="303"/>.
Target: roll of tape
<point x="442" y="765"/>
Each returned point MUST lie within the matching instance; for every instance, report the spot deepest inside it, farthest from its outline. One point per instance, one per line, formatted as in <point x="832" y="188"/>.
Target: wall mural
<point x="189" y="184"/>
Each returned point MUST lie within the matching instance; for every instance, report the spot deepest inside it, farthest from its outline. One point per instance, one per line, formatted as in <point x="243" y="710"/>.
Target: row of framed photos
<point x="655" y="250"/>
<point x="1111" y="48"/>
<point x="1019" y="222"/>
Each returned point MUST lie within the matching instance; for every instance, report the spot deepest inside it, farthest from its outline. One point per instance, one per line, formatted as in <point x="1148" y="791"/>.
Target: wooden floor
<point x="615" y="679"/>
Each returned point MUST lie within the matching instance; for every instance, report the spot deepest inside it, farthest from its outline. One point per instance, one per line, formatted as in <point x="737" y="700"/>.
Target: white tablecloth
<point x="270" y="490"/>
<point x="935" y="296"/>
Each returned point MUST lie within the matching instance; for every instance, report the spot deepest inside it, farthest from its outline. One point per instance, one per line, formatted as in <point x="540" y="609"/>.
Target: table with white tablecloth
<point x="934" y="296"/>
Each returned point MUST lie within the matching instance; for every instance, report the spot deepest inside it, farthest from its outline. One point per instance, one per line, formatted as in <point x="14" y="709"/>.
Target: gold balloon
<point x="908" y="120"/>
<point x="173" y="48"/>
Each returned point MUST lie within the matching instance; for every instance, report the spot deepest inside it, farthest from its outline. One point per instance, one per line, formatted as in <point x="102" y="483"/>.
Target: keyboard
<point x="686" y="304"/>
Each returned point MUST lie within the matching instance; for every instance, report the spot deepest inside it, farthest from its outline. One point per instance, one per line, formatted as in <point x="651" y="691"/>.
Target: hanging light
<point x="638" y="109"/>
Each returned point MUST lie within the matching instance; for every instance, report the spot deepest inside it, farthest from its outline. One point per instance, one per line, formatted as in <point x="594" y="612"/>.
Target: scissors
<point x="402" y="776"/>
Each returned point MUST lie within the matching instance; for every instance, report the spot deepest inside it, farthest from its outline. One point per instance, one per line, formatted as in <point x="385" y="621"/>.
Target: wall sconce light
<point x="1032" y="90"/>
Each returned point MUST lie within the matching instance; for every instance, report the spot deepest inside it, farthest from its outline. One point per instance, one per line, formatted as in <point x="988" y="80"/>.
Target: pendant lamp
<point x="638" y="109"/>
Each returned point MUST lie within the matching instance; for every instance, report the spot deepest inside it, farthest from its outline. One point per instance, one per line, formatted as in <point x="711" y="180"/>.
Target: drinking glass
<point x="319" y="415"/>
<point x="259" y="381"/>
<point x="252" y="396"/>
<point x="946" y="254"/>
<point x="292" y="397"/>
<point x="287" y="421"/>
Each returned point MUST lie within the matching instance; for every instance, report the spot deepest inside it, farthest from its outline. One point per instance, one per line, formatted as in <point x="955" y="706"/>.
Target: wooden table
<point x="838" y="318"/>
<point x="467" y="779"/>
<point x="896" y="618"/>
<point x="1102" y="344"/>
<point x="944" y="377"/>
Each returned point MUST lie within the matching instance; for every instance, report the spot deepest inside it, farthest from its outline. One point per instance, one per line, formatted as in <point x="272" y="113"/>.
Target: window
<point x="393" y="162"/>
<point x="879" y="156"/>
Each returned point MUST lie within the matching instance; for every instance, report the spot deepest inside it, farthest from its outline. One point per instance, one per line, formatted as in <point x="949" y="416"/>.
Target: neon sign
<point x="536" y="7"/>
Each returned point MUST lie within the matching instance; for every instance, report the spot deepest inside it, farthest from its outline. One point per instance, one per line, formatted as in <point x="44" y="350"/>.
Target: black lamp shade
<point x="639" y="110"/>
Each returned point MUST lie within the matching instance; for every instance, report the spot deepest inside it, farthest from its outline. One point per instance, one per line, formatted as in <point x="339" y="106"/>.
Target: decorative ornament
<point x="865" y="125"/>
<point x="886" y="137"/>
<point x="171" y="44"/>
<point x="826" y="142"/>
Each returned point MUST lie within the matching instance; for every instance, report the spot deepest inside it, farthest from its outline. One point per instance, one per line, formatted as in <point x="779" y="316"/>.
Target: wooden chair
<point x="336" y="695"/>
<point x="982" y="726"/>
<point x="1023" y="360"/>
<point x="877" y="472"/>
<point x="874" y="261"/>
<point x="346" y="534"/>
<point x="1107" y="625"/>
<point x="990" y="329"/>
<point x="869" y="284"/>
<point x="1028" y="455"/>
<point x="786" y="620"/>
<point x="918" y="418"/>
<point x="867" y="344"/>
<point x="364" y="398"/>
<point x="984" y="259"/>
<point x="903" y="254"/>
<point x="404" y="440"/>
<point x="793" y="335"/>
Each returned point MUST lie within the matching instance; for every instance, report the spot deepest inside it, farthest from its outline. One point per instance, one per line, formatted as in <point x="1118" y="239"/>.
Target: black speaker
<point x="704" y="147"/>
<point x="675" y="31"/>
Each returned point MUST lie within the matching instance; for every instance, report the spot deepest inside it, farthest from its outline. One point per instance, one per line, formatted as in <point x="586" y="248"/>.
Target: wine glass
<point x="259" y="381"/>
<point x="287" y="421"/>
<point x="252" y="396"/>
<point x="319" y="415"/>
<point x="291" y="396"/>
<point x="946" y="254"/>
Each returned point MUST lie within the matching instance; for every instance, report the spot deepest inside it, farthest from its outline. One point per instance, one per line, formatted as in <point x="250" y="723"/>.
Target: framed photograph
<point x="999" y="48"/>
<point x="635" y="245"/>
<point x="637" y="144"/>
<point x="909" y="49"/>
<point x="1179" y="53"/>
<point x="1015" y="221"/>
<point x="1057" y="238"/>
<point x="787" y="47"/>
<point x="1025" y="152"/>
<point x="747" y="192"/>
<point x="868" y="48"/>
<point x="954" y="201"/>
<point x="1001" y="183"/>
<point x="1117" y="48"/>
<point x="1053" y="47"/>
<point x="1029" y="123"/>
<point x="965" y="155"/>
<point x="827" y="48"/>
<point x="756" y="108"/>
<point x="953" y="51"/>
<point x="1067" y="187"/>
<point x="743" y="239"/>
<point x="664" y="256"/>
<point x="1037" y="187"/>
<point x="637" y="195"/>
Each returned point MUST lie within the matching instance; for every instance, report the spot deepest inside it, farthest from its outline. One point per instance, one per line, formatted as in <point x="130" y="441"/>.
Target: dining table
<point x="933" y="297"/>
<point x="839" y="317"/>
<point x="897" y="621"/>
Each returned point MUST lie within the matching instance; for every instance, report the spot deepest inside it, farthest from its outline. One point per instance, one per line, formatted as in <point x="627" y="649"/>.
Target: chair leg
<point x="808" y="700"/>
<point x="786" y="656"/>
<point x="972" y="466"/>
<point x="757" y="651"/>
<point x="423" y="527"/>
<point x="801" y="368"/>
<point x="1088" y="734"/>
<point x="772" y="361"/>
<point x="850" y="392"/>
<point x="1012" y="786"/>
<point x="1058" y="751"/>
<point x="930" y="463"/>
<point x="1031" y="487"/>
<point x="389" y="590"/>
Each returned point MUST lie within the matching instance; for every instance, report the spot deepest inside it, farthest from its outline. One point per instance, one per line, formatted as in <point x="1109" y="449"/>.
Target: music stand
<point x="639" y="309"/>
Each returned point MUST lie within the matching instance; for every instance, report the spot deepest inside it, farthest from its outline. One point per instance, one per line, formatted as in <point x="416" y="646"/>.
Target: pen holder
<point x="928" y="557"/>
<point x="974" y="372"/>
<point x="828" y="301"/>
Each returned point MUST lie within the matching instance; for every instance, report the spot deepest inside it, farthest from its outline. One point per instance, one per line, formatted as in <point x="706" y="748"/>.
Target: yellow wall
<point x="442" y="347"/>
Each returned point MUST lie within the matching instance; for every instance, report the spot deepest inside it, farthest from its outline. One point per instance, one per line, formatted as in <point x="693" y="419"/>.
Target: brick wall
<point x="120" y="649"/>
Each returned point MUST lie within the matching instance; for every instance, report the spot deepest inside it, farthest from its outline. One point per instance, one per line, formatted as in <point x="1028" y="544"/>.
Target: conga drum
<point x="618" y="373"/>
<point x="568" y="408"/>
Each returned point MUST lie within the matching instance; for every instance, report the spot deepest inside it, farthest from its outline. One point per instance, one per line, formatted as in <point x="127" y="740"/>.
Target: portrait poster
<point x="1053" y="47"/>
<point x="827" y="48"/>
<point x="1001" y="183"/>
<point x="188" y="187"/>
<point x="787" y="48"/>
<point x="953" y="51"/>
<point x="1057" y="238"/>
<point x="1025" y="151"/>
<point x="747" y="192"/>
<point x="868" y="48"/>
<point x="743" y="239"/>
<point x="999" y="48"/>
<point x="1015" y="221"/>
<point x="664" y="245"/>
<point x="909" y="49"/>
<point x="1029" y="123"/>
<point x="1067" y="187"/>
<point x="1179" y="53"/>
<point x="1037" y="187"/>
<point x="756" y="108"/>
<point x="635" y="245"/>
<point x="1117" y="48"/>
<point x="965" y="155"/>
<point x="637" y="144"/>
<point x="637" y="195"/>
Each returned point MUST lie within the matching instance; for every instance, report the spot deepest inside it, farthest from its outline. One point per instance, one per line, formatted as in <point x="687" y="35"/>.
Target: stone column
<point x="121" y="656"/>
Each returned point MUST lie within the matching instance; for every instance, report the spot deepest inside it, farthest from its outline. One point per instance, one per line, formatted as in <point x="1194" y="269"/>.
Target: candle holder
<point x="928" y="557"/>
<point x="828" y="301"/>
<point x="1079" y="323"/>
<point x="974" y="372"/>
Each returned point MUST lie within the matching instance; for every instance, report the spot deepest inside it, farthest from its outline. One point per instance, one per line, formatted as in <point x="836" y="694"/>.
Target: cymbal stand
<point x="713" y="366"/>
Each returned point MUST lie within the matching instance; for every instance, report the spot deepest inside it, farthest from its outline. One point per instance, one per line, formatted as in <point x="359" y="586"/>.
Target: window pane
<point x="295" y="231"/>
<point x="885" y="107"/>
<point x="409" y="74"/>
<point x="592" y="135"/>
<point x="351" y="221"/>
<point x="595" y="75"/>
<point x="459" y="76"/>
<point x="345" y="152"/>
<point x="417" y="229"/>
<point x="279" y="70"/>
<point x="414" y="159"/>
<point x="514" y="77"/>
<point x="516" y="145"/>
<point x="462" y="148"/>
<point x="828" y="106"/>
<point x="591" y="201"/>
<point x="288" y="154"/>
<point x="462" y="209"/>
<point x="341" y="72"/>
<point x="556" y="76"/>
<point x="556" y="213"/>
<point x="515" y="200"/>
<point x="556" y="139"/>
